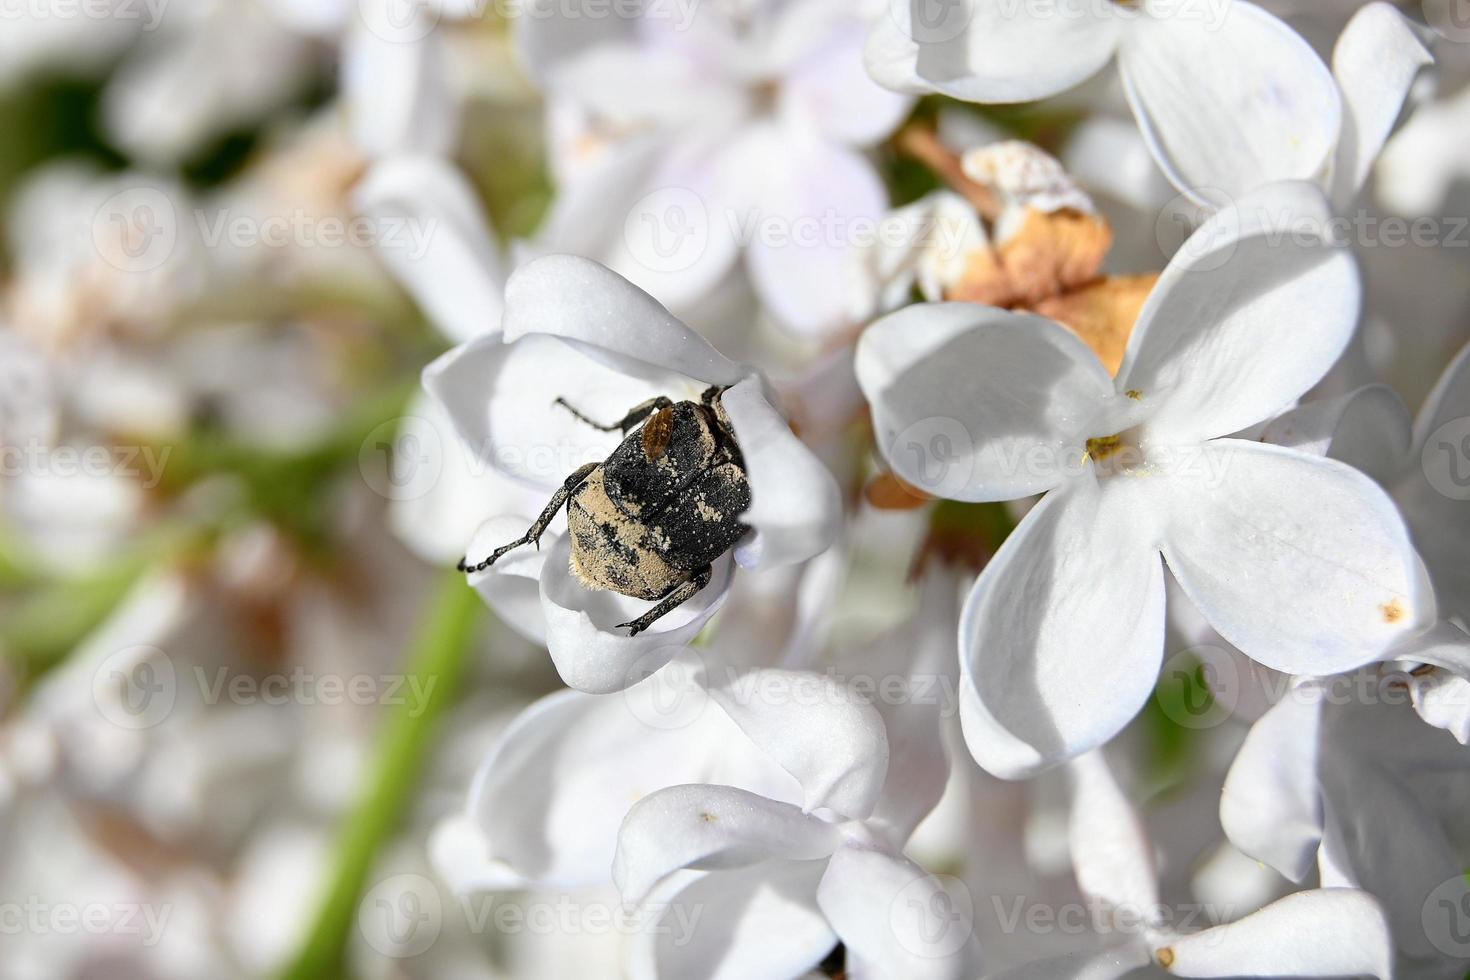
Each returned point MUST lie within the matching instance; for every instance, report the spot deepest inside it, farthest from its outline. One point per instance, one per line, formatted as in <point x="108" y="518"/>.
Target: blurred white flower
<point x="1301" y="562"/>
<point x="1326" y="932"/>
<point x="692" y="135"/>
<point x="1228" y="97"/>
<point x="1363" y="789"/>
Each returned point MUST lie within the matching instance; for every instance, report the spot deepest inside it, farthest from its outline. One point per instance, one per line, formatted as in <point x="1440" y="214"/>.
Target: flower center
<point x="1102" y="447"/>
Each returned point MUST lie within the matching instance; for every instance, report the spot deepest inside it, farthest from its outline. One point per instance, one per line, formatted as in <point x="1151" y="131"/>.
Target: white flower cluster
<point x="1086" y="601"/>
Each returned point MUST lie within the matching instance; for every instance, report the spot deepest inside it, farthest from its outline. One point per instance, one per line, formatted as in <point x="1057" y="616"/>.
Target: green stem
<point x="436" y="659"/>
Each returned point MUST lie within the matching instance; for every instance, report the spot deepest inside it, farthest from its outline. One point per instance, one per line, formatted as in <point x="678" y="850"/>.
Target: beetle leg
<point x="709" y="394"/>
<point x="676" y="597"/>
<point x="635" y="414"/>
<point x="533" y="535"/>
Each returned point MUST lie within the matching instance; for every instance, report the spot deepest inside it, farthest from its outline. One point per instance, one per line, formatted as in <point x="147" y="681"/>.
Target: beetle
<point x="650" y="520"/>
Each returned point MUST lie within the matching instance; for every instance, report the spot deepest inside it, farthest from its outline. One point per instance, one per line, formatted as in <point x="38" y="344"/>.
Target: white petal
<point x="1270" y="806"/>
<point x="828" y="89"/>
<point x="1231" y="105"/>
<point x="447" y="257"/>
<point x="815" y="728"/>
<point x="1252" y="311"/>
<point x="1434" y="499"/>
<point x="512" y="586"/>
<point x="1111" y="853"/>
<point x="760" y="921"/>
<point x="577" y="299"/>
<point x="704" y="827"/>
<point x="816" y="203"/>
<point x="551" y="795"/>
<point x="795" y="506"/>
<point x="975" y="403"/>
<point x="396" y="91"/>
<point x="500" y="398"/>
<point x="922" y="652"/>
<point x="1375" y="61"/>
<point x="552" y="33"/>
<point x="1330" y="932"/>
<point x="1062" y="636"/>
<point x="591" y="652"/>
<point x="437" y="520"/>
<point x="895" y="919"/>
<point x="1369" y="429"/>
<point x="1386" y="840"/>
<point x="1301" y="562"/>
<point x="1442" y="695"/>
<point x="989" y="50"/>
<point x="1109" y="964"/>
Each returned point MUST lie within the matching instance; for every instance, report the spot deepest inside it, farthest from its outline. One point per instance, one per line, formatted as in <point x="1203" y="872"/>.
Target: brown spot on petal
<point x="1392" y="611"/>
<point x="707" y="817"/>
<point x="1165" y="957"/>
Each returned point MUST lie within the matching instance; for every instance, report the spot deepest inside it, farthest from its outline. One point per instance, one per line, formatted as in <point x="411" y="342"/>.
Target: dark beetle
<point x="649" y="520"/>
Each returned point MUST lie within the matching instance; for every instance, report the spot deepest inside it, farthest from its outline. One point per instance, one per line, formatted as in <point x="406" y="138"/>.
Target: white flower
<point x="1328" y="932"/>
<point x="573" y="329"/>
<point x="788" y="876"/>
<point x="1426" y="472"/>
<point x="1228" y="97"/>
<point x="1370" y="795"/>
<point x="679" y="145"/>
<point x="1424" y="160"/>
<point x="1301" y="562"/>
